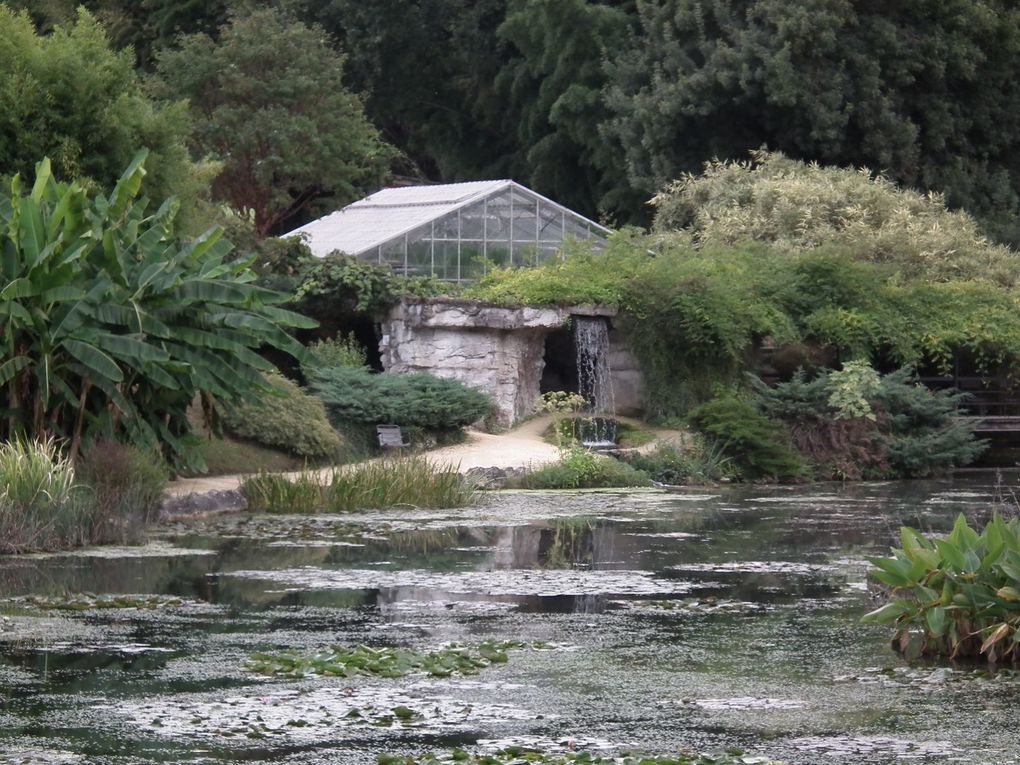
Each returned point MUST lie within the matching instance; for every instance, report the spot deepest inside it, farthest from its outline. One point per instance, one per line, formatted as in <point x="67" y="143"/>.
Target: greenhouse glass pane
<point x="576" y="228"/>
<point x="498" y="254"/>
<point x="550" y="227"/>
<point x="524" y="217"/>
<point x="393" y="254"/>
<point x="497" y="225"/>
<point x="472" y="262"/>
<point x="447" y="227"/>
<point x="446" y="261"/>
<point x="472" y="221"/>
<point x="525" y="254"/>
<point x="419" y="258"/>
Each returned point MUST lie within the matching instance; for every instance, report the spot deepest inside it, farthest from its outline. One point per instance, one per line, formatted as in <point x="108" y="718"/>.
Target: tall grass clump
<point x="673" y="464"/>
<point x="46" y="504"/>
<point x="402" y="482"/>
<point x="957" y="596"/>
<point x="41" y="506"/>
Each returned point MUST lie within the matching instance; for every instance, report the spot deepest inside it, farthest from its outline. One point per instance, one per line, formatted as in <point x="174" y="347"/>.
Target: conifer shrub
<point x="854" y="423"/>
<point x="292" y="421"/>
<point x="759" y="447"/>
<point x="409" y="400"/>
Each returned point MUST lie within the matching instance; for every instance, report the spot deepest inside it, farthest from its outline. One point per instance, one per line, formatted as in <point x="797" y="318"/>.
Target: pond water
<point x="651" y="620"/>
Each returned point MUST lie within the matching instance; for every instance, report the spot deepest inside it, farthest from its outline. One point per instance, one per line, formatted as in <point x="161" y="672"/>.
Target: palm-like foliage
<point x="110" y="324"/>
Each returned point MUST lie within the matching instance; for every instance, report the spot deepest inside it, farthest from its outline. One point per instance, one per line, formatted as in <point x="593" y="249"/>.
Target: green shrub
<point x="407" y="481"/>
<point x="759" y="447"/>
<point x="413" y="400"/>
<point x="675" y="465"/>
<point x="340" y="351"/>
<point x="127" y="487"/>
<point x="581" y="469"/>
<point x="901" y="428"/>
<point x="293" y="421"/>
<point x="926" y="436"/>
<point x="957" y="596"/>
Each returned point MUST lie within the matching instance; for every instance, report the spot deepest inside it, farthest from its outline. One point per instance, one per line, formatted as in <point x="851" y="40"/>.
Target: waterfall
<point x="594" y="377"/>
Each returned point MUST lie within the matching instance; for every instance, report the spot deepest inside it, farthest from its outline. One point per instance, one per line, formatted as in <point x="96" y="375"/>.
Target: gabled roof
<point x="387" y="214"/>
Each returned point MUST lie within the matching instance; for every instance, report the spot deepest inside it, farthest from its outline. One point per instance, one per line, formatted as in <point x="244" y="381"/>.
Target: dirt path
<point x="521" y="447"/>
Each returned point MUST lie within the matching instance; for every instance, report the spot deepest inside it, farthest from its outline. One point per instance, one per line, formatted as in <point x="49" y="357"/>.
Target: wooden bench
<point x="391" y="437"/>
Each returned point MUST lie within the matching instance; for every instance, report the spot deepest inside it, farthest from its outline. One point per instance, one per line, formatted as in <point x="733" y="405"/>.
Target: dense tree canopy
<point x="554" y="83"/>
<point x="428" y="69"/>
<point x="599" y="103"/>
<point x="68" y="95"/>
<point x="918" y="90"/>
<point x="268" y="100"/>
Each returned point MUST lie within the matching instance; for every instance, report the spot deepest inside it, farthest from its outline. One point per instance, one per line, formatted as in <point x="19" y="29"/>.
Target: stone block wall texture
<point x="496" y="349"/>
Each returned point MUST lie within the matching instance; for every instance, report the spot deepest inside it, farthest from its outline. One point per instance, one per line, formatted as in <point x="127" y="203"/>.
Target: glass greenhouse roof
<point x="453" y="231"/>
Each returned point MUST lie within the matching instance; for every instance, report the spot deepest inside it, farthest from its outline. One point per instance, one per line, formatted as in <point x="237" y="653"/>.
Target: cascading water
<point x="594" y="378"/>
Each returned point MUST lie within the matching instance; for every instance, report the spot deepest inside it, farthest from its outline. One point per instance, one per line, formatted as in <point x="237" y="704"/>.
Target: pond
<point x="645" y="619"/>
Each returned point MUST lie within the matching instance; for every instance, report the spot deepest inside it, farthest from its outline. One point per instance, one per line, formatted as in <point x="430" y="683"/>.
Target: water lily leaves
<point x="340" y="661"/>
<point x="515" y="755"/>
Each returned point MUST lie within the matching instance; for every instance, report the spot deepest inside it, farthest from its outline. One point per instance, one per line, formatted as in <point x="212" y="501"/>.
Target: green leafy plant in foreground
<point x="517" y="754"/>
<point x="339" y="661"/>
<point x="957" y="596"/>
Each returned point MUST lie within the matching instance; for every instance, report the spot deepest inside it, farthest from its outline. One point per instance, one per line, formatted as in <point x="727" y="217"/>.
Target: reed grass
<point x="41" y="506"/>
<point x="398" y="482"/>
<point x="45" y="504"/>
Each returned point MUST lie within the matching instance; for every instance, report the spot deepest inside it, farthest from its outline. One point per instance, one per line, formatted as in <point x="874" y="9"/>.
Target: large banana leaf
<point x="107" y="314"/>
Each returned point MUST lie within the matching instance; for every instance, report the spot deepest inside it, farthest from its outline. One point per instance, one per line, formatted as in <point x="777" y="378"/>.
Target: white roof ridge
<point x="376" y="219"/>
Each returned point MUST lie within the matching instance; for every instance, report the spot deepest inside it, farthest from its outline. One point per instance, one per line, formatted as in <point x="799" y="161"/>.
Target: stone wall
<point x="493" y="348"/>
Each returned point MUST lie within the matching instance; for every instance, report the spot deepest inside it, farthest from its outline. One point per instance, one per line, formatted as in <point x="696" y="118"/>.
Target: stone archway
<point x="498" y="349"/>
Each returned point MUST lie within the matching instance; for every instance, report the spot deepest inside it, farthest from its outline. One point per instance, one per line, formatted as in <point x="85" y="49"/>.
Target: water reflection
<point x="678" y="619"/>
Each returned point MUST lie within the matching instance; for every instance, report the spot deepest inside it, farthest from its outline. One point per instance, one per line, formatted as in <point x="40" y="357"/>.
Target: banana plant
<point x="958" y="595"/>
<point x="111" y="324"/>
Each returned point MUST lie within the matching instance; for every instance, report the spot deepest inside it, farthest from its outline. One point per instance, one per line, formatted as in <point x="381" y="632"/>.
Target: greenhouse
<point x="454" y="232"/>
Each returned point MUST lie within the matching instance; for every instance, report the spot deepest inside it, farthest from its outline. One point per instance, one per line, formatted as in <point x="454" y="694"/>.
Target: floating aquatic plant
<point x="514" y="755"/>
<point x="88" y="602"/>
<point x="339" y="661"/>
<point x="957" y="596"/>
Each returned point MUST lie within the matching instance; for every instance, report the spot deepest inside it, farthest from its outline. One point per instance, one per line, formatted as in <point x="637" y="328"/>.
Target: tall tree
<point x="69" y="96"/>
<point x="554" y="82"/>
<point x="268" y="100"/>
<point x="922" y="91"/>
<point x="428" y="69"/>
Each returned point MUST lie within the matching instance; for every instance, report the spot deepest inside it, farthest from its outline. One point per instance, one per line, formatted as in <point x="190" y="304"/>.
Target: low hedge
<point x="409" y="400"/>
<point x="294" y="422"/>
